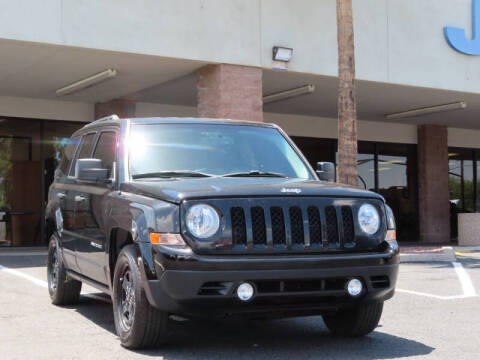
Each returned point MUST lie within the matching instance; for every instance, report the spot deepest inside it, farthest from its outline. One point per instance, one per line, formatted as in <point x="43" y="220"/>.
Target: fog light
<point x="245" y="291"/>
<point x="354" y="287"/>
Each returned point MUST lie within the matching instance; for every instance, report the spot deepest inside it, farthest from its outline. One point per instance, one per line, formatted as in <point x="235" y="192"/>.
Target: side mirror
<point x="90" y="170"/>
<point x="326" y="171"/>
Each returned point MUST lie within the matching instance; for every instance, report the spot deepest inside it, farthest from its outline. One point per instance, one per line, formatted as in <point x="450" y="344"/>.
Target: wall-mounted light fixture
<point x="281" y="56"/>
<point x="87" y="82"/>
<point x="427" y="110"/>
<point x="287" y="94"/>
<point x="282" y="53"/>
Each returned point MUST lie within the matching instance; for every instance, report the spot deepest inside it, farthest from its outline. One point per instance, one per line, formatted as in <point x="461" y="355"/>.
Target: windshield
<point x="211" y="150"/>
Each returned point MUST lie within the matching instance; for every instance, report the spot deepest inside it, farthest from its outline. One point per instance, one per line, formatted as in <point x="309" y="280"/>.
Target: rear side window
<point x="85" y="150"/>
<point x="106" y="150"/>
<point x="68" y="151"/>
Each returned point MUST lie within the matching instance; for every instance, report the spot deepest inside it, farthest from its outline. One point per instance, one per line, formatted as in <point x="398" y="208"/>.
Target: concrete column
<point x="230" y="91"/>
<point x="433" y="192"/>
<point x="123" y="108"/>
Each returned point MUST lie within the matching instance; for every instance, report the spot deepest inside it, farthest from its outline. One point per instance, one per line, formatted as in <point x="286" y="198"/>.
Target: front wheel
<point x="357" y="321"/>
<point x="63" y="289"/>
<point x="138" y="324"/>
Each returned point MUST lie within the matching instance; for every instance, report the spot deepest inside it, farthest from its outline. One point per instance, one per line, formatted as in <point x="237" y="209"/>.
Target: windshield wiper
<point x="255" y="173"/>
<point x="170" y="174"/>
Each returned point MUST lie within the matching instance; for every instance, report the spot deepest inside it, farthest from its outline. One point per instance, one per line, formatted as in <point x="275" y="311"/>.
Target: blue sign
<point x="456" y="36"/>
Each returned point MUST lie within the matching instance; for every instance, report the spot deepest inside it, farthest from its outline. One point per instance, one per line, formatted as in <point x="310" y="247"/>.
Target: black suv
<point x="201" y="217"/>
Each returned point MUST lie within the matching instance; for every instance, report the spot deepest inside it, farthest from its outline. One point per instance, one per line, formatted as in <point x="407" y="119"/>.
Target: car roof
<point x="114" y="120"/>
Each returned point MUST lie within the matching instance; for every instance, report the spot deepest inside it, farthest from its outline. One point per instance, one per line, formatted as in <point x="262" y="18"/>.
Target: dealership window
<point x="30" y="151"/>
<point x="461" y="179"/>
<point x="366" y="166"/>
<point x="388" y="169"/>
<point x="397" y="183"/>
<point x="463" y="172"/>
<point x="20" y="182"/>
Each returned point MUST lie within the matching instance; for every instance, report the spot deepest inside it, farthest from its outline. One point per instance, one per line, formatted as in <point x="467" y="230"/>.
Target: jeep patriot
<point x="204" y="217"/>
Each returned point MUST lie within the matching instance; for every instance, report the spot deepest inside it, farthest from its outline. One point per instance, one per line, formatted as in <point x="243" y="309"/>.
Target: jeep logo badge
<point x="291" y="190"/>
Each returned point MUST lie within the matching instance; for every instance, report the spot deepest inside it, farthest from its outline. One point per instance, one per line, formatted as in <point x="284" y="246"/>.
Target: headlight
<point x="390" y="218"/>
<point x="202" y="221"/>
<point x="368" y="219"/>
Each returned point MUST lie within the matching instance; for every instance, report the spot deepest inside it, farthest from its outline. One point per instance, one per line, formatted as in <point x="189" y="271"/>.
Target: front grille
<point x="287" y="225"/>
<point x="294" y="221"/>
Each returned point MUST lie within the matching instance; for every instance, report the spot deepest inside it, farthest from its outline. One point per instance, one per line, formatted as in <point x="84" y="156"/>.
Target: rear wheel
<point x="63" y="290"/>
<point x="357" y="321"/>
<point x="138" y="324"/>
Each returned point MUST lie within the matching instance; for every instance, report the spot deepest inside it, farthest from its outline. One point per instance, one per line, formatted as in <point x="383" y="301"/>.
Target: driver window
<point x="106" y="150"/>
<point x="85" y="151"/>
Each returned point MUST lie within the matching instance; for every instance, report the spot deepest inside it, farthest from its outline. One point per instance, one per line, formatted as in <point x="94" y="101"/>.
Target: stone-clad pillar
<point x="433" y="192"/>
<point x="123" y="108"/>
<point x="230" y="91"/>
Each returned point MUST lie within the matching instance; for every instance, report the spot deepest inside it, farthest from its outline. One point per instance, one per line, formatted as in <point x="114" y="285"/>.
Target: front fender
<point x="139" y="216"/>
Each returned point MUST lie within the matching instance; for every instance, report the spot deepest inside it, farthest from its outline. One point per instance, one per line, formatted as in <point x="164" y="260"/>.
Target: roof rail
<point x="106" y="118"/>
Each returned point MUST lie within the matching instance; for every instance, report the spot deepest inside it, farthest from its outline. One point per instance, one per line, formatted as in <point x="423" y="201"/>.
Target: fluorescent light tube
<point x="282" y="95"/>
<point x="427" y="110"/>
<point x="87" y="82"/>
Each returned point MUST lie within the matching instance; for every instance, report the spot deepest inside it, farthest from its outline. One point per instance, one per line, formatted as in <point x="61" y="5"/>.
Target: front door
<point x="60" y="193"/>
<point x="90" y="213"/>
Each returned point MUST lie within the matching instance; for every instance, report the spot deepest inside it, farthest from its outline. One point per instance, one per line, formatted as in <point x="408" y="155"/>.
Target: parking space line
<point x="44" y="284"/>
<point x="25" y="276"/>
<point x="465" y="282"/>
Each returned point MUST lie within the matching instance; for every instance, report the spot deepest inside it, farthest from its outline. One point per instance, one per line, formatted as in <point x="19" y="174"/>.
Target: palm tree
<point x="347" y="109"/>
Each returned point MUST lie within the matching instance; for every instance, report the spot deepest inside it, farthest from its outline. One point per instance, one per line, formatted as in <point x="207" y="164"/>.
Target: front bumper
<point x="284" y="285"/>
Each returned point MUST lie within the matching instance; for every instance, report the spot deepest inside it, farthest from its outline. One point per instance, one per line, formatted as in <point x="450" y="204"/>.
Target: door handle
<point x="61" y="196"/>
<point x="79" y="198"/>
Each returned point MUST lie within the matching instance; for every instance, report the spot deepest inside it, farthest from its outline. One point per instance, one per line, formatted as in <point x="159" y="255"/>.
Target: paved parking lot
<point x="434" y="315"/>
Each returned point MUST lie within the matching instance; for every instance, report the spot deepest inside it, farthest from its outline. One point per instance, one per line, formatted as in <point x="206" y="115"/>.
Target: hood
<point x="177" y="190"/>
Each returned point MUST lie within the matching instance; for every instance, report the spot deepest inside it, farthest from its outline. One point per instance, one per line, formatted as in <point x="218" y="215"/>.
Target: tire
<point x="63" y="289"/>
<point x="355" y="322"/>
<point x="138" y="324"/>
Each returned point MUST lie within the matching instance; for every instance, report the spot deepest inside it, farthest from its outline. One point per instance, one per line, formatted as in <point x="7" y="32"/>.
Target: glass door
<point x="397" y="183"/>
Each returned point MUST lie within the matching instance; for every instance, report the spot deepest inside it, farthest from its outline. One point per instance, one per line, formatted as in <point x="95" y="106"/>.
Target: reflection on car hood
<point x="176" y="190"/>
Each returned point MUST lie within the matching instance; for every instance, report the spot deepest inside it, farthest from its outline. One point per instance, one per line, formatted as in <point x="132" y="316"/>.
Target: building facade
<point x="64" y="63"/>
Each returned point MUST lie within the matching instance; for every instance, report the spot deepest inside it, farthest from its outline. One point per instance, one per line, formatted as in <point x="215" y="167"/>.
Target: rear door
<point x="91" y="210"/>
